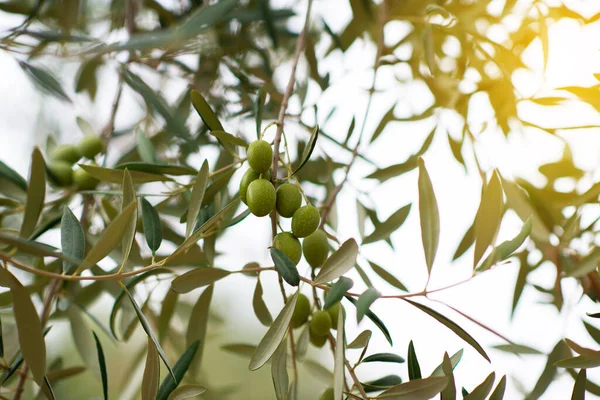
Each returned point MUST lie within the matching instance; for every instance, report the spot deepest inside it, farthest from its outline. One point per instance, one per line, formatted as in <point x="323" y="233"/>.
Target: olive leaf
<point x="418" y="389"/>
<point x="260" y="308"/>
<point x="197" y="278"/>
<point x="449" y="393"/>
<point x="339" y="358"/>
<point x="206" y="113"/>
<point x="36" y="193"/>
<point x="383" y="357"/>
<point x="170" y="383"/>
<point x="489" y="215"/>
<point x="117" y="175"/>
<point x="339" y="262"/>
<point x="151" y="377"/>
<point x="72" y="238"/>
<point x="579" y="387"/>
<point x="270" y="342"/>
<point x="152" y="226"/>
<point x="44" y="80"/>
<point x="145" y="148"/>
<point x="507" y="248"/>
<point x="285" y="267"/>
<point x="362" y="340"/>
<point x="198" y="191"/>
<point x="375" y="319"/>
<point x="337" y="291"/>
<point x="279" y="372"/>
<point x="129" y="197"/>
<point x="365" y="300"/>
<point x="483" y="389"/>
<point x="157" y="168"/>
<point x="102" y="363"/>
<point x="308" y="149"/>
<point x="429" y="215"/>
<point x="186" y="392"/>
<point x="259" y="106"/>
<point x="386" y="276"/>
<point x="389" y="226"/>
<point x="454" y="360"/>
<point x="227" y="138"/>
<point x="498" y="393"/>
<point x="198" y="323"/>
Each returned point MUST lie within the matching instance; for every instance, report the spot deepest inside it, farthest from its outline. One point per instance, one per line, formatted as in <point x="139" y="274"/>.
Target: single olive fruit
<point x="305" y="221"/>
<point x="83" y="180"/>
<point x="315" y="248"/>
<point x="289" y="200"/>
<point x="90" y="146"/>
<point x="333" y="313"/>
<point x="320" y="324"/>
<point x="290" y="245"/>
<point x="61" y="173"/>
<point x="327" y="394"/>
<point x="301" y="311"/>
<point x="67" y="153"/>
<point x="249" y="176"/>
<point x="261" y="197"/>
<point x="316" y="340"/>
<point x="260" y="156"/>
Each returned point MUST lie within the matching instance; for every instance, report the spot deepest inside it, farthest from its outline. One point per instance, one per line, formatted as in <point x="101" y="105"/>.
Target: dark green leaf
<point x="260" y="308"/>
<point x="151" y="335"/>
<point x="102" y="363"/>
<point x="152" y="226"/>
<point x="582" y="361"/>
<point x="508" y="247"/>
<point x="383" y="357"/>
<point x="429" y="215"/>
<point x="395" y="170"/>
<point x="386" y="276"/>
<point x="386" y="228"/>
<point x="498" y="393"/>
<point x="156" y="168"/>
<point x="560" y="351"/>
<point x="483" y="389"/>
<point x="72" y="238"/>
<point x="365" y="300"/>
<point x="361" y="341"/>
<point x="466" y="242"/>
<point x="285" y="267"/>
<point x="579" y="387"/>
<point x="449" y="393"/>
<point x="382" y="383"/>
<point x="198" y="191"/>
<point x="197" y="278"/>
<point x="414" y="369"/>
<point x="375" y="319"/>
<point x="454" y="360"/>
<point x="228" y="138"/>
<point x="206" y="113"/>
<point x="10" y="174"/>
<point x="44" y="81"/>
<point x="308" y="149"/>
<point x="452" y="326"/>
<point x="36" y="193"/>
<point x="385" y="120"/>
<point x="337" y="292"/>
<point x="171" y="382"/>
<point x="418" y="389"/>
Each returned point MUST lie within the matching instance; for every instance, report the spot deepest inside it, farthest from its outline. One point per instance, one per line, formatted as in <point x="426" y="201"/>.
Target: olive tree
<point x="227" y="123"/>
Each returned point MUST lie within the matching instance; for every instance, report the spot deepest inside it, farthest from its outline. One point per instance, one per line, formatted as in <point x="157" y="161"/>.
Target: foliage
<point x="228" y="53"/>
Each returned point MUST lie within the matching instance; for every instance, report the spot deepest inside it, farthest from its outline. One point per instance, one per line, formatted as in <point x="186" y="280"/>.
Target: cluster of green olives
<point x="321" y="321"/>
<point x="257" y="191"/>
<point x="64" y="156"/>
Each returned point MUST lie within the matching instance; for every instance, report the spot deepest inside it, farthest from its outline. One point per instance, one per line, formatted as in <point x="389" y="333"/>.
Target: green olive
<point x="261" y="197"/>
<point x="305" y="221"/>
<point x="249" y="176"/>
<point x="290" y="245"/>
<point x="83" y="180"/>
<point x="67" y="153"/>
<point x="333" y="313"/>
<point x="61" y="173"/>
<point x="316" y="340"/>
<point x="301" y="311"/>
<point x="289" y="200"/>
<point x="315" y="248"/>
<point x="320" y="324"/>
<point x="260" y="156"/>
<point x="90" y="146"/>
<point x="327" y="394"/>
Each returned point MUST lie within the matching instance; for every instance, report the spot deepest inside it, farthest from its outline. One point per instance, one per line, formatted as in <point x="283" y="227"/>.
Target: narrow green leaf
<point x="579" y="387"/>
<point x="454" y="360"/>
<point x="498" y="393"/>
<point x="582" y="361"/>
<point x="166" y="313"/>
<point x="186" y="392"/>
<point x="508" y="247"/>
<point x="35" y="248"/>
<point x="395" y="170"/>
<point x="361" y="341"/>
<point x="518" y="200"/>
<point x="466" y="242"/>
<point x="36" y="193"/>
<point x="308" y="149"/>
<point x="274" y="335"/>
<point x="383" y="383"/>
<point x="339" y="262"/>
<point x="337" y="291"/>
<point x="414" y="369"/>
<point x="386" y="276"/>
<point x="260" y="308"/>
<point x="384" y="357"/>
<point x="483" y="389"/>
<point x="375" y="319"/>
<point x="170" y="383"/>
<point x="385" y="120"/>
<point x="129" y="197"/>
<point x="279" y="372"/>
<point x="318" y="371"/>
<point x="286" y="268"/>
<point x="489" y="216"/>
<point x="150" y="334"/>
<point x="549" y="371"/>
<point x="1" y="341"/>
<point x="44" y="81"/>
<point x="241" y="349"/>
<point x="386" y="228"/>
<point x="151" y="377"/>
<point x="198" y="191"/>
<point x="197" y="278"/>
<point x="72" y="238"/>
<point x="516" y="349"/>
<point x="145" y="148"/>
<point x="338" y="367"/>
<point x="365" y="300"/>
<point x="83" y="339"/>
<point x="198" y="324"/>
<point x="429" y="215"/>
<point x="206" y="113"/>
<point x="418" y="389"/>
<point x="225" y="137"/>
<point x="102" y="364"/>
<point x="13" y="176"/>
<point x="258" y="110"/>
<point x="460" y="332"/>
<point x="112" y="235"/>
<point x="157" y="168"/>
<point x="587" y="265"/>
<point x="449" y="393"/>
<point x="116" y="175"/>
<point x="29" y="327"/>
<point x="152" y="226"/>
